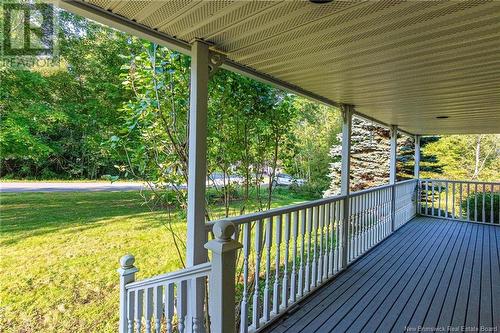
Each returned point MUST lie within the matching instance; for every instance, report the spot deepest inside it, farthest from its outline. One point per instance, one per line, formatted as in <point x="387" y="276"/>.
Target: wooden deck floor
<point x="431" y="273"/>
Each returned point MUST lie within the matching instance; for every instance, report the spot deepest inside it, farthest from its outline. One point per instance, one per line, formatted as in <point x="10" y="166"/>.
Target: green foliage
<point x="316" y="131"/>
<point x="467" y="157"/>
<point x="474" y="203"/>
<point x="55" y="120"/>
<point x="60" y="254"/>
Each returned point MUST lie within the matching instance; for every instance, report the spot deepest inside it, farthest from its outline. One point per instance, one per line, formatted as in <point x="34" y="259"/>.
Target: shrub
<point x="479" y="206"/>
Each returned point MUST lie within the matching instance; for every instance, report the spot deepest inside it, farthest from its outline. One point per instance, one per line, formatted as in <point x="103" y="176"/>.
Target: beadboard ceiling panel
<point x="400" y="62"/>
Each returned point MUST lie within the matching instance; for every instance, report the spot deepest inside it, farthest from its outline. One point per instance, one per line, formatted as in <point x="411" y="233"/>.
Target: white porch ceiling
<point x="399" y="62"/>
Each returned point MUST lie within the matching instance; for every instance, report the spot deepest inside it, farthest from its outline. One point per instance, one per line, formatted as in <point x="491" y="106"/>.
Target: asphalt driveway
<point x="13" y="187"/>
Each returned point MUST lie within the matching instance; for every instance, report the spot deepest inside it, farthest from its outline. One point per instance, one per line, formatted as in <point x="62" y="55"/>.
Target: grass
<point x="60" y="251"/>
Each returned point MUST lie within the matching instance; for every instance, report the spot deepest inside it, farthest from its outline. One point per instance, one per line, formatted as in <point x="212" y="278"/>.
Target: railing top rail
<point x="460" y="181"/>
<point x="378" y="188"/>
<point x="278" y="211"/>
<point x="304" y="205"/>
<point x="197" y="271"/>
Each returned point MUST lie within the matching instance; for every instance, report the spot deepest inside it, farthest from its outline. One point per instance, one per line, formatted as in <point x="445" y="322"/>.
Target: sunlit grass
<point x="60" y="251"/>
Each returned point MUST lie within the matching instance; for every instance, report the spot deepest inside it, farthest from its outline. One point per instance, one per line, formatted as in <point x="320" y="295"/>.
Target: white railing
<point x="287" y="252"/>
<point x="160" y="301"/>
<point x="460" y="200"/>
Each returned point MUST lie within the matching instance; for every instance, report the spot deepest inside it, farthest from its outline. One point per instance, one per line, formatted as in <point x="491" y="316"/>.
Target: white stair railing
<point x="162" y="303"/>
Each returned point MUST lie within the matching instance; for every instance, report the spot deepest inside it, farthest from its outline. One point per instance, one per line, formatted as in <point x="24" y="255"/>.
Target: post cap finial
<point x="223" y="230"/>
<point x="127" y="261"/>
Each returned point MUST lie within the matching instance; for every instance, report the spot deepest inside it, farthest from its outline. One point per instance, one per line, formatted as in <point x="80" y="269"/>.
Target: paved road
<point x="68" y="187"/>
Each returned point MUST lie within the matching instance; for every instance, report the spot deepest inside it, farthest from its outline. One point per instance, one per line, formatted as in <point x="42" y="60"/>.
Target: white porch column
<point x="416" y="171"/>
<point x="345" y="177"/>
<point x="393" y="152"/>
<point x="346" y="150"/>
<point x="196" y="234"/>
<point x="392" y="173"/>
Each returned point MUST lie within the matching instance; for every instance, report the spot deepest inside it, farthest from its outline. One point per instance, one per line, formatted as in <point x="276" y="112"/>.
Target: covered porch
<point x="412" y="253"/>
<point x="431" y="273"/>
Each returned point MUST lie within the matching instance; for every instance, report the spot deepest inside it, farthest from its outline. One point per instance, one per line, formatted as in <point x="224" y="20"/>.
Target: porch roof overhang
<point x="399" y="63"/>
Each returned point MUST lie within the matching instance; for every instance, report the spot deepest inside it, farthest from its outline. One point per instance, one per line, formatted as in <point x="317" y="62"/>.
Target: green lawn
<point x="60" y="251"/>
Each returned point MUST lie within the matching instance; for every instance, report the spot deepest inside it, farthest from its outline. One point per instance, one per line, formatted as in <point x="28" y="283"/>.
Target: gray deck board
<point x="345" y="295"/>
<point x="458" y="257"/>
<point x="431" y="273"/>
<point x="388" y="282"/>
<point x="386" y="319"/>
<point x="358" y="271"/>
<point x="495" y="276"/>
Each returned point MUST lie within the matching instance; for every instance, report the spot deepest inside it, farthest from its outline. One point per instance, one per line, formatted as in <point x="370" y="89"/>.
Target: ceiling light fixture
<point x="320" y="1"/>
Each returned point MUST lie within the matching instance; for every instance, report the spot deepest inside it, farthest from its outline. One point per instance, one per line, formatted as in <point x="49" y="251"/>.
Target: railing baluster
<point x="468" y="202"/>
<point x="492" y="216"/>
<point x="302" y="244"/>
<point x="158" y="307"/>
<point x="360" y="225"/>
<point x="483" y="215"/>
<point x="267" y="289"/>
<point x="338" y="237"/>
<point x="446" y="200"/>
<point x="439" y="199"/>
<point x="315" y="248"/>
<point x="426" y="197"/>
<point x="244" y="296"/>
<point x="181" y="305"/>
<point x="453" y="214"/>
<point x="475" y="202"/>
<point x="432" y="195"/>
<point x="284" y="288"/>
<point x="295" y="236"/>
<point x="130" y="311"/>
<point x="460" y="217"/>
<point x="149" y="308"/>
<point x="369" y="218"/>
<point x="378" y="214"/>
<point x="365" y="224"/>
<point x="258" y="256"/>
<point x="308" y="254"/>
<point x="321" y="211"/>
<point x="326" y="259"/>
<point x="138" y="306"/>
<point x="352" y="233"/>
<point x="169" y="306"/>
<point x="276" y="288"/>
<point x="333" y="240"/>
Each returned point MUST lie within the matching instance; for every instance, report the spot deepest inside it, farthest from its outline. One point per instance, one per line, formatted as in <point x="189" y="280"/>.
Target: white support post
<point x="416" y="174"/>
<point x="393" y="152"/>
<point x="222" y="278"/>
<point x="416" y="171"/>
<point x="197" y="170"/>
<point x="345" y="178"/>
<point x="392" y="173"/>
<point x="127" y="272"/>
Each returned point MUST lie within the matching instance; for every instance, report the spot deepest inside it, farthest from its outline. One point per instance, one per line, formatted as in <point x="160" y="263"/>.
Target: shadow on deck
<point x="436" y="274"/>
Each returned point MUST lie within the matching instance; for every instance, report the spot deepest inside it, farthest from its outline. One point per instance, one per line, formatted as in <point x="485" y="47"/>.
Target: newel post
<point x="222" y="281"/>
<point x="127" y="272"/>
